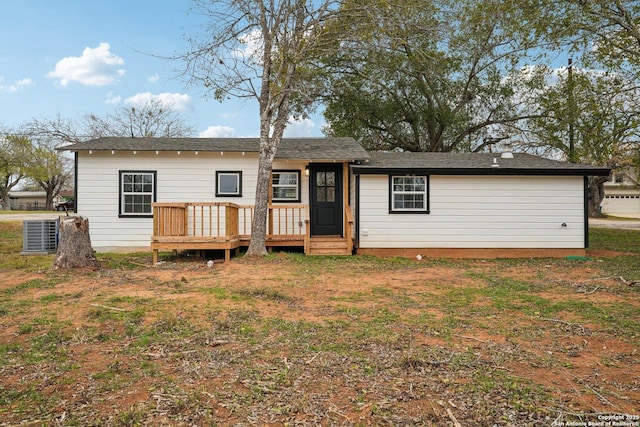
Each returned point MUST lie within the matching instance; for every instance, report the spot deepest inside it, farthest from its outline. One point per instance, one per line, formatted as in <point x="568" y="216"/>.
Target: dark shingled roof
<point x="471" y="164"/>
<point x="347" y="149"/>
<point x="290" y="148"/>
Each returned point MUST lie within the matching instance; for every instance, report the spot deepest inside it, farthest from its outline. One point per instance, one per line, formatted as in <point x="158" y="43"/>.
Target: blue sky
<point x="77" y="57"/>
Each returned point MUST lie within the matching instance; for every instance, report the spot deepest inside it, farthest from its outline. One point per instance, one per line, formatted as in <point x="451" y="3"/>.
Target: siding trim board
<point x="75" y="181"/>
<point x="357" y="213"/>
<point x="477" y="253"/>
<point x="585" y="196"/>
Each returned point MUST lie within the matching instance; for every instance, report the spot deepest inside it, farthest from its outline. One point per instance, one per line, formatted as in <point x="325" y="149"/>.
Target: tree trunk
<point x="4" y="199"/>
<point x="596" y="195"/>
<point x="74" y="247"/>
<point x="49" y="200"/>
<point x="257" y="244"/>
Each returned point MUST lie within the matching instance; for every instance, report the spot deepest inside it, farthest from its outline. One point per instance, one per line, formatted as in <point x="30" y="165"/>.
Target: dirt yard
<point x="291" y="340"/>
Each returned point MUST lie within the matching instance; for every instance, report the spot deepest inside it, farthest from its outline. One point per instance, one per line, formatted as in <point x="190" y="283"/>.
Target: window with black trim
<point x="137" y="192"/>
<point x="285" y="185"/>
<point x="408" y="194"/>
<point x="228" y="183"/>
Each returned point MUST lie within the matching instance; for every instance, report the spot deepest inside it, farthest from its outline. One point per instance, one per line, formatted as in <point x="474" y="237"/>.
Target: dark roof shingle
<point x="290" y="148"/>
<point x="472" y="164"/>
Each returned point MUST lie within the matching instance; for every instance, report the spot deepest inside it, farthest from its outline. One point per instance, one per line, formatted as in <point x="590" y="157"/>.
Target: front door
<point x="326" y="199"/>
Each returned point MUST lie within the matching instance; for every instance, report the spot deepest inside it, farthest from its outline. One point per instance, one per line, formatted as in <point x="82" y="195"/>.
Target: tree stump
<point x="74" y="244"/>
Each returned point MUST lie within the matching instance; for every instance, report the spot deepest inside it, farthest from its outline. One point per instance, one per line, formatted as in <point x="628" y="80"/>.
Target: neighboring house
<point x="329" y="196"/>
<point x="29" y="200"/>
<point x="621" y="195"/>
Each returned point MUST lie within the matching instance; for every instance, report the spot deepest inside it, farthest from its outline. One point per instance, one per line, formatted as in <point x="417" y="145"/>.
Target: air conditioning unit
<point x="39" y="236"/>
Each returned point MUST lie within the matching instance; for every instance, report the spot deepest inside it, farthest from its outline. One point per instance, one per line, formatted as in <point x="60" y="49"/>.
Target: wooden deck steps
<point x="328" y="245"/>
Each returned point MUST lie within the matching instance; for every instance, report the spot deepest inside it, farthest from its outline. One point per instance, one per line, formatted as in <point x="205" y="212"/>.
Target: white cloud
<point x="23" y="83"/>
<point x="176" y="101"/>
<point x="113" y="99"/>
<point x="218" y="132"/>
<point x="96" y="67"/>
<point x="229" y="116"/>
<point x="299" y="128"/>
<point x="153" y="79"/>
<point x="15" y="86"/>
<point x="251" y="43"/>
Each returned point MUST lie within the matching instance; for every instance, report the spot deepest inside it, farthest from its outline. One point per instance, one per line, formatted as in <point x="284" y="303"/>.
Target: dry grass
<point x="290" y="340"/>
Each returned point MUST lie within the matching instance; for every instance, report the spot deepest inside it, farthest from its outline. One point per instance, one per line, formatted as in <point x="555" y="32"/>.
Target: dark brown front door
<point x="326" y="199"/>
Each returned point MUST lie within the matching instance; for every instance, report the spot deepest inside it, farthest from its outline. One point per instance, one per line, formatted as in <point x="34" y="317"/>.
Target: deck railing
<point x="287" y="220"/>
<point x="227" y="226"/>
<point x="219" y="220"/>
<point x="214" y="220"/>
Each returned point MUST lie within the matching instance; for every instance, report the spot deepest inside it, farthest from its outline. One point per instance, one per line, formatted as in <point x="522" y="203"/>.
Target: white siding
<point x="477" y="212"/>
<point x="180" y="178"/>
<point x="621" y="204"/>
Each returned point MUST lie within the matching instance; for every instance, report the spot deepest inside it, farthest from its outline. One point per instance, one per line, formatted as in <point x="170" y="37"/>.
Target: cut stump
<point x="74" y="245"/>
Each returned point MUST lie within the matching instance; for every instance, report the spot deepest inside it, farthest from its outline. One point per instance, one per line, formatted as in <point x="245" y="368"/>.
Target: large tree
<point x="603" y="32"/>
<point x="151" y="119"/>
<point x="262" y="50"/>
<point x="57" y="129"/>
<point x="50" y="169"/>
<point x="14" y="158"/>
<point x="591" y="115"/>
<point x="588" y="117"/>
<point x="428" y="75"/>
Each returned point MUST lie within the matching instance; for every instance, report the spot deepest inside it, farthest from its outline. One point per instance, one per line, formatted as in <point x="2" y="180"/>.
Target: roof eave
<point x="287" y="156"/>
<point x="369" y="170"/>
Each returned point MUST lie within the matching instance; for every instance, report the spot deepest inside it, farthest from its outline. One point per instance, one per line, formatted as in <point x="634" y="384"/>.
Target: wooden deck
<point x="227" y="227"/>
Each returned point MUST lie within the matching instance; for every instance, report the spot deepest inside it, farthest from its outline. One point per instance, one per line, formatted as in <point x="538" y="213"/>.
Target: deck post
<point x="156" y="217"/>
<point x="349" y="228"/>
<point x="231" y="218"/>
<point x="307" y="234"/>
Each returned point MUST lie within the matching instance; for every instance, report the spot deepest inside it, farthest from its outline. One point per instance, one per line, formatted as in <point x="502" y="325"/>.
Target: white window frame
<point x="238" y="175"/>
<point x="295" y="199"/>
<point x="126" y="193"/>
<point x="407" y="190"/>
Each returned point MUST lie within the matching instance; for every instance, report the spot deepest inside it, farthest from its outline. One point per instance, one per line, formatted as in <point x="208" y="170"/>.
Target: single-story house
<point x="329" y="196"/>
<point x="622" y="194"/>
<point x="29" y="200"/>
